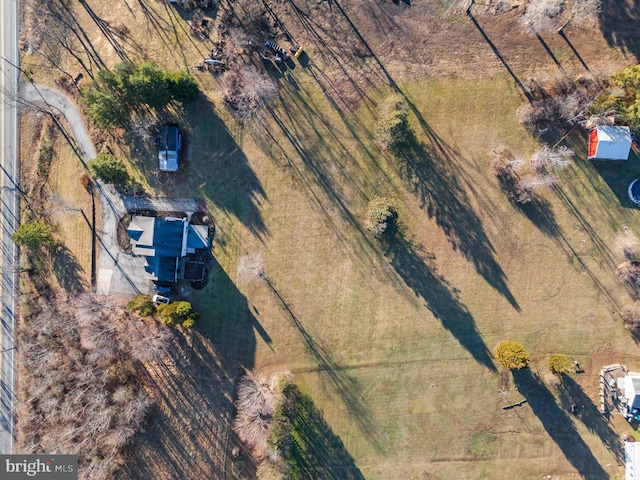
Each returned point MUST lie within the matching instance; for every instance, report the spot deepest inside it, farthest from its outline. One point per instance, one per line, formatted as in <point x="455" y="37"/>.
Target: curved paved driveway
<point x="47" y="98"/>
<point x="118" y="271"/>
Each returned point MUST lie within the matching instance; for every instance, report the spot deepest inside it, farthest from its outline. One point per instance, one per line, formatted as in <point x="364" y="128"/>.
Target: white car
<point x="160" y="299"/>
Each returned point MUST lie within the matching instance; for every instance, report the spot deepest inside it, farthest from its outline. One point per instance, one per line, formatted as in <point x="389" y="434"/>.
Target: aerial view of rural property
<point x="320" y="239"/>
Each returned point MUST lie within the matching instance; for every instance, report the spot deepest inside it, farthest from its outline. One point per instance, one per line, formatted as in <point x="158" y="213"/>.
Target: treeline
<point x="80" y="390"/>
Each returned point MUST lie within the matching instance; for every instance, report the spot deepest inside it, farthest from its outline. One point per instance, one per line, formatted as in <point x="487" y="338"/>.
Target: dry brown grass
<point x="626" y="246"/>
<point x="57" y="195"/>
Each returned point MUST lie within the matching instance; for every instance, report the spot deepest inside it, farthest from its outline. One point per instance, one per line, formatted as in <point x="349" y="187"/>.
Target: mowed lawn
<point x="395" y="348"/>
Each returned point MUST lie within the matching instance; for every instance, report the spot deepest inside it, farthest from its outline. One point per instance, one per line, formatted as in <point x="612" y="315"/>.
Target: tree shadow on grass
<point x="558" y="425"/>
<point x="619" y="21"/>
<point x="540" y="214"/>
<point x="572" y="393"/>
<point x="105" y="28"/>
<point x="327" y="177"/>
<point x="346" y="386"/>
<point x="211" y="162"/>
<point x="68" y="272"/>
<point x="617" y="176"/>
<point x="188" y="433"/>
<point x="228" y="322"/>
<point x="316" y="452"/>
<point x="222" y="169"/>
<point x="431" y="175"/>
<point x="440" y="298"/>
<point x="537" y="210"/>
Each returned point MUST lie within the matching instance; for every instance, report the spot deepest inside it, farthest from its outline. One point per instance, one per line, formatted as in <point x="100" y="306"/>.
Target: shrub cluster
<point x="560" y="364"/>
<point x="393" y="129"/>
<point x="382" y="218"/>
<point x="177" y="313"/>
<point x="622" y="98"/>
<point x="512" y="355"/>
<point x="142" y="305"/>
<point x="109" y="169"/>
<point x="33" y="235"/>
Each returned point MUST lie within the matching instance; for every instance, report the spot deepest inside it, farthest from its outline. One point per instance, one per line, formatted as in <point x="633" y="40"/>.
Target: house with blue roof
<point x="164" y="242"/>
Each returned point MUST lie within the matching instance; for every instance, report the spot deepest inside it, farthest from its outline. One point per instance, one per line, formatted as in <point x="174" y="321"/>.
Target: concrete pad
<point x="103" y="284"/>
<point x="129" y="275"/>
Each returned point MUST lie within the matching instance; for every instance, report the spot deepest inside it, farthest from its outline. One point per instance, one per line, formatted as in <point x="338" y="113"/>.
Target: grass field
<point x="394" y="347"/>
<point x="58" y="196"/>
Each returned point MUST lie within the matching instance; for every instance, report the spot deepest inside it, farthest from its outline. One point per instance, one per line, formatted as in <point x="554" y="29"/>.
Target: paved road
<point x="9" y="210"/>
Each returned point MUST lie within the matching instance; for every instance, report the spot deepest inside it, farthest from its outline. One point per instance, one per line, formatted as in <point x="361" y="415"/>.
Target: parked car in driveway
<point x="170" y="145"/>
<point x="160" y="299"/>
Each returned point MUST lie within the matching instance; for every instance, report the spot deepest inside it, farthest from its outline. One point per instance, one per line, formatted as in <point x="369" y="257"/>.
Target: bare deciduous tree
<point x="543" y="16"/>
<point x="547" y="159"/>
<point x="255" y="404"/>
<point x="560" y="100"/>
<point x="80" y="390"/>
<point x="508" y="169"/>
<point x="629" y="273"/>
<point x="246" y="90"/>
<point x="630" y="315"/>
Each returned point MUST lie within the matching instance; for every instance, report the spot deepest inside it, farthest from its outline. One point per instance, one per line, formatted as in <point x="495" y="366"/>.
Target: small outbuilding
<point x="632" y="460"/>
<point x="632" y="391"/>
<point x="609" y="142"/>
